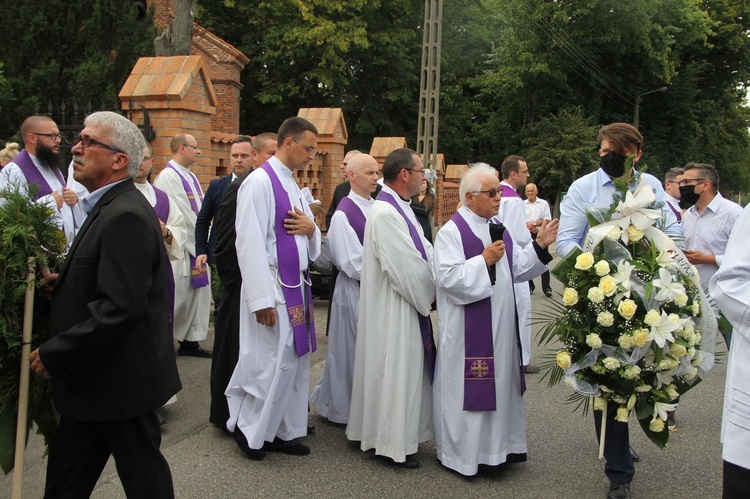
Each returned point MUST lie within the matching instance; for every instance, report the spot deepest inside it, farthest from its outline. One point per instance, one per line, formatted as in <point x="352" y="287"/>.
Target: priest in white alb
<point x="394" y="361"/>
<point x="333" y="394"/>
<point x="276" y="240"/>
<point x="479" y="384"/>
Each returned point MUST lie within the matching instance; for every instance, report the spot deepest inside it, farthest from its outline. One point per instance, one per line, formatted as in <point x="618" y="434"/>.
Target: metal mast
<point x="429" y="85"/>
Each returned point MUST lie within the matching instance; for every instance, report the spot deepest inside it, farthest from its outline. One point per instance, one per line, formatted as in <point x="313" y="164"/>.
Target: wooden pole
<point x="23" y="392"/>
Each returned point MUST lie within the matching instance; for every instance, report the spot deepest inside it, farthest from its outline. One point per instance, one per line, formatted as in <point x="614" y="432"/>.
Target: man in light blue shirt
<point x="617" y="142"/>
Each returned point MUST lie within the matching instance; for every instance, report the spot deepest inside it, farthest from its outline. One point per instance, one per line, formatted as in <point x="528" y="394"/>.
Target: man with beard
<point x="37" y="164"/>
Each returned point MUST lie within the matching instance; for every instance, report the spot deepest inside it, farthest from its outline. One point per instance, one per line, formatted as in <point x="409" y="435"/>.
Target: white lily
<point x="622" y="276"/>
<point x="665" y="259"/>
<point x="633" y="209"/>
<point x="662" y="330"/>
<point x="661" y="409"/>
<point x="668" y="288"/>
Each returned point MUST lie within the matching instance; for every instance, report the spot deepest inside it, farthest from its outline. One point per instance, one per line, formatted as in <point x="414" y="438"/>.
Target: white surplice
<point x="175" y="223"/>
<point x="730" y="288"/>
<point x="391" y="407"/>
<point x="513" y="215"/>
<point x="68" y="218"/>
<point x="333" y="393"/>
<point x="191" y="306"/>
<point x="466" y="439"/>
<point x="267" y="394"/>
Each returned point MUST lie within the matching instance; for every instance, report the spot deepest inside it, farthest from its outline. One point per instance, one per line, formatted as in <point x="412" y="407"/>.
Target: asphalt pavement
<point x="562" y="445"/>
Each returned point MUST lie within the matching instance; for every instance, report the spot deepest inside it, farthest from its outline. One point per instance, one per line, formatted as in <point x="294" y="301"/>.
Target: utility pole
<point x="636" y="114"/>
<point x="429" y="85"/>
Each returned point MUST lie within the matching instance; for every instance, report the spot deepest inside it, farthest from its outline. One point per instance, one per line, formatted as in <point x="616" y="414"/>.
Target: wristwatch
<point x="169" y="233"/>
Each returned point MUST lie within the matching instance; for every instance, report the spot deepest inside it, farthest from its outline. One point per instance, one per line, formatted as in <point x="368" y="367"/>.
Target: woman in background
<point x="422" y="205"/>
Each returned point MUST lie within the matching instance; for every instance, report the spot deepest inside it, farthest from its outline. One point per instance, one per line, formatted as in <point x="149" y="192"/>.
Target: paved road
<point x="562" y="452"/>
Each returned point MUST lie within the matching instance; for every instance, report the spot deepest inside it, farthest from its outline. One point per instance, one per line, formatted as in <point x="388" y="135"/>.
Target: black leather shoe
<point x="619" y="491"/>
<point x="162" y="419"/>
<point x="409" y="462"/>
<point x="195" y="352"/>
<point x="548" y="293"/>
<point x="241" y="441"/>
<point x="310" y="429"/>
<point x="635" y="456"/>
<point x="291" y="447"/>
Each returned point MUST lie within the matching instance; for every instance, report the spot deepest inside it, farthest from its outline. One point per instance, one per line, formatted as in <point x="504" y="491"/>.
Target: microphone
<point x="497" y="230"/>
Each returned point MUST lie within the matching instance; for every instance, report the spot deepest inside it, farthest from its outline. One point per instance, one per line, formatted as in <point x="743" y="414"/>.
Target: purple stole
<point x="303" y="324"/>
<point x="355" y="216"/>
<point x="33" y="175"/>
<point x="676" y="212"/>
<point x="425" y="325"/>
<point x="199" y="277"/>
<point x="162" y="212"/>
<point x="479" y="363"/>
<point x="509" y="192"/>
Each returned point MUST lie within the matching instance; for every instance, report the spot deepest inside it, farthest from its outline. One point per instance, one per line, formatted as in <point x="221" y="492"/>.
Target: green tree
<point x="56" y="49"/>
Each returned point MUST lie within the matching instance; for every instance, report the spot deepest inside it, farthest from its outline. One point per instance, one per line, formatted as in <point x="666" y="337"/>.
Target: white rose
<point x="667" y="364"/>
<point x="614" y="234"/>
<point x="656" y="425"/>
<point x="652" y="317"/>
<point x="593" y="340"/>
<point x="608" y="285"/>
<point x="602" y="267"/>
<point x="677" y="350"/>
<point x="563" y="359"/>
<point x="570" y="297"/>
<point x="672" y="391"/>
<point x="622" y="414"/>
<point x="611" y="363"/>
<point x="584" y="261"/>
<point x="599" y="404"/>
<point x="643" y="388"/>
<point x="606" y="319"/>
<point x="627" y="309"/>
<point x="635" y="234"/>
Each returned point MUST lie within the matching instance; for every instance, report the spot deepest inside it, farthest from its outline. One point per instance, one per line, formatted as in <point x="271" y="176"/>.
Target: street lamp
<point x="638" y="103"/>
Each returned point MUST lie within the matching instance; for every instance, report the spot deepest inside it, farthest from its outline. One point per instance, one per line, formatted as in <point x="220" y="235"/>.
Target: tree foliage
<point x="58" y="49"/>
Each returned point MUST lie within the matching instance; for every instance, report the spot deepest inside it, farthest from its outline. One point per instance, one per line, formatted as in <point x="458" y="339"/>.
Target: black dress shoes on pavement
<point x="291" y="447"/>
<point x="548" y="293"/>
<point x="409" y="462"/>
<point x="162" y="419"/>
<point x="310" y="429"/>
<point x="241" y="441"/>
<point x="619" y="491"/>
<point x="634" y="455"/>
<point x="195" y="352"/>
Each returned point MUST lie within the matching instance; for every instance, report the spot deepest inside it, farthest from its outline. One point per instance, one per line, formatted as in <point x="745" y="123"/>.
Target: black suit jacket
<point x="226" y="236"/>
<point x="205" y="243"/>
<point x="340" y="192"/>
<point x="111" y="355"/>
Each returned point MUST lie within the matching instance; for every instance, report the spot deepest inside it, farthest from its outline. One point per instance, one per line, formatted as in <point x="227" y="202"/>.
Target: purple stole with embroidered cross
<point x="34" y="176"/>
<point x="479" y="356"/>
<point x="162" y="212"/>
<point x="355" y="216"/>
<point x="425" y="324"/>
<point x="303" y="324"/>
<point x="199" y="277"/>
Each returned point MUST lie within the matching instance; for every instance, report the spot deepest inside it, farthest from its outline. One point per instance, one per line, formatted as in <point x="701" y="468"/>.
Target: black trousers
<point x="736" y="481"/>
<point x="80" y="450"/>
<point x="619" y="467"/>
<point x="226" y="352"/>
<point x="545" y="277"/>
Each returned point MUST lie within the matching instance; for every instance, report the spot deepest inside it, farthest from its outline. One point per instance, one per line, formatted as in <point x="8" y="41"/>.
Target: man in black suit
<point x="110" y="358"/>
<point x="342" y="190"/>
<point x="241" y="159"/>
<point x="227" y="319"/>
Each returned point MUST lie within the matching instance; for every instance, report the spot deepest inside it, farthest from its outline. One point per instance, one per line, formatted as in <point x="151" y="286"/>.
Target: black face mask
<point x="688" y="196"/>
<point x="613" y="164"/>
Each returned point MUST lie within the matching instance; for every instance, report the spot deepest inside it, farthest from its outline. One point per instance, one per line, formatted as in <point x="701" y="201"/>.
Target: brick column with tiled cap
<point x="383" y="146"/>
<point x="323" y="174"/>
<point x="179" y="98"/>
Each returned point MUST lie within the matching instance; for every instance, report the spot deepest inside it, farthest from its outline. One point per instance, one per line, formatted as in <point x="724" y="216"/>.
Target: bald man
<point x="333" y="393"/>
<point x="537" y="211"/>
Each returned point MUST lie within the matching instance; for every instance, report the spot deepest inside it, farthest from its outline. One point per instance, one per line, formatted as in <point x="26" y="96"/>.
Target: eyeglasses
<point x="194" y="146"/>
<point x="88" y="142"/>
<point x="421" y="172"/>
<point x="523" y="172"/>
<point x="310" y="149"/>
<point x="53" y="136"/>
<point x="684" y="182"/>
<point x="490" y="192"/>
